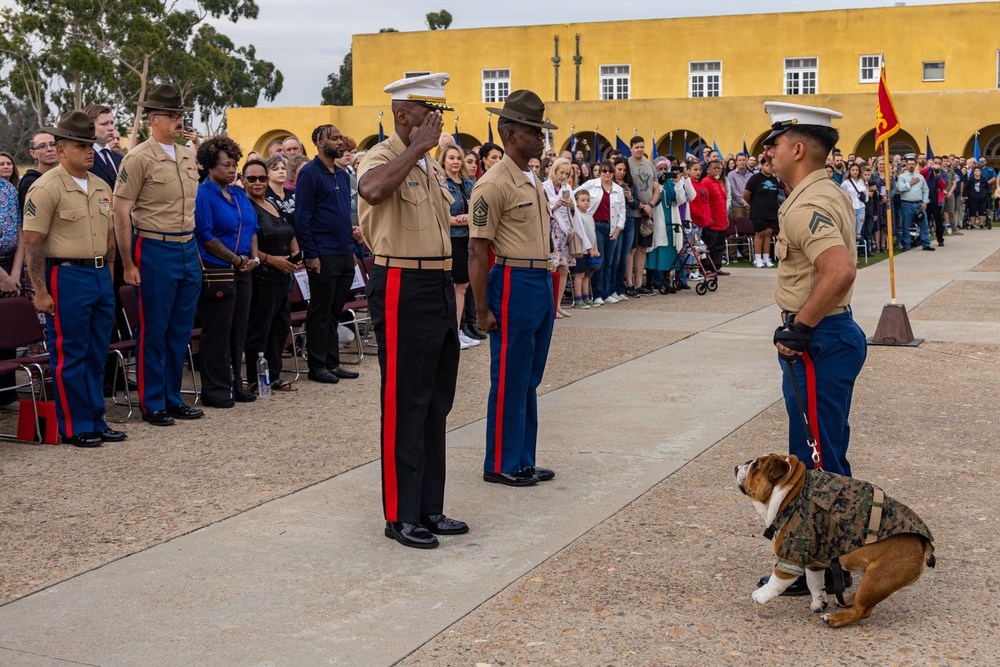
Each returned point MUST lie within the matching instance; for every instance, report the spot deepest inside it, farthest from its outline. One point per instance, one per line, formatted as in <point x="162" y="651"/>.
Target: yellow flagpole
<point x="888" y="218"/>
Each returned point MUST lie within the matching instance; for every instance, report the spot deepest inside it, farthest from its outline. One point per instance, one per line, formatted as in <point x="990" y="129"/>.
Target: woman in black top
<point x="280" y="197"/>
<point x="270" y="314"/>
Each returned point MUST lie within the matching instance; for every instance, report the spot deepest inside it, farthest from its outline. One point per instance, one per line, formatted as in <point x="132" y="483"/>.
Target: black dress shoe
<point x="158" y="418"/>
<point x="324" y="376"/>
<point x="683" y="286"/>
<point x="931" y="248"/>
<point x="185" y="411"/>
<point x="473" y="331"/>
<point x="84" y="440"/>
<point x="543" y="474"/>
<point x="241" y="395"/>
<point x="439" y="524"/>
<point x="111" y="435"/>
<point x="343" y="373"/>
<point x="410" y="535"/>
<point x="209" y="403"/>
<point x="510" y="479"/>
<point x="800" y="587"/>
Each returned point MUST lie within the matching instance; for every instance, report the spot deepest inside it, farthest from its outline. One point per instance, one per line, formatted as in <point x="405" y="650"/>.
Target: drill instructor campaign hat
<point x="785" y="115"/>
<point x="427" y="90"/>
<point x="164" y="97"/>
<point x="524" y="106"/>
<point x="76" y="126"/>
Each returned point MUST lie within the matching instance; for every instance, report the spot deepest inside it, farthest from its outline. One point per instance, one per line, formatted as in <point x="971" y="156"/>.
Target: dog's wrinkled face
<point x="758" y="477"/>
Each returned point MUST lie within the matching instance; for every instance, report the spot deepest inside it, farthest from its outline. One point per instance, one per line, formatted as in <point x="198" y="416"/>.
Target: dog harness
<point x="834" y="515"/>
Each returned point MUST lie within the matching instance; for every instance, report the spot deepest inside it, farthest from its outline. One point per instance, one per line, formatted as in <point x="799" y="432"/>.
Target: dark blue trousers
<point x="837" y="352"/>
<point x="168" y="297"/>
<point x="522" y="301"/>
<point x="79" y="334"/>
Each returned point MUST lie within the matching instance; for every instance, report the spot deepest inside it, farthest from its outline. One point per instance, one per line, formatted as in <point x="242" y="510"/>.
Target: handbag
<point x="862" y="197"/>
<point x="574" y="244"/>
<point x="219" y="282"/>
<point x="645" y="226"/>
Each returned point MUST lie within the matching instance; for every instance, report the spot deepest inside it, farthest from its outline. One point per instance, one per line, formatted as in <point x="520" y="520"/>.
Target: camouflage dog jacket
<point x="832" y="516"/>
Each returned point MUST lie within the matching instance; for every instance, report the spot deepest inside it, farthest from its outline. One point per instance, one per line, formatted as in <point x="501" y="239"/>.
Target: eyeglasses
<point x="170" y="116"/>
<point x="42" y="147"/>
<point x="255" y="179"/>
<point x="607" y="171"/>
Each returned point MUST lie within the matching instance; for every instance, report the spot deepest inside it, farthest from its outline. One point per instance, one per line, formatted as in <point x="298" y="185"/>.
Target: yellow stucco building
<point x="704" y="77"/>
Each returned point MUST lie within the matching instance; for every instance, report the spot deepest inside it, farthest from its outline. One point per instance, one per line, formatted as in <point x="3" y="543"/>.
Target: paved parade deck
<point x="640" y="551"/>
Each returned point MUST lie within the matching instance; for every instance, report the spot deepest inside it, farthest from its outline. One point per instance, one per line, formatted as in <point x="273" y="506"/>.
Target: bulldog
<point x="815" y="516"/>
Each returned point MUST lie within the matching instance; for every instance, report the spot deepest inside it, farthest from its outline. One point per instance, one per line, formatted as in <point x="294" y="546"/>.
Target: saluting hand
<point x="425" y="136"/>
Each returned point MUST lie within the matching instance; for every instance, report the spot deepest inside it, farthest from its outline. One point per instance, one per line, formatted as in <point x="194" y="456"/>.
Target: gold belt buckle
<point x="447" y="264"/>
<point x="99" y="262"/>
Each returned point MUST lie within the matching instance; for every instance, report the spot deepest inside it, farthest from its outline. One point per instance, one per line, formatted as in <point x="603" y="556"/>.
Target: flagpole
<point x="888" y="219"/>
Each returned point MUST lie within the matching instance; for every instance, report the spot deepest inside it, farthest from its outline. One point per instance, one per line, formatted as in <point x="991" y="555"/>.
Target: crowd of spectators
<point x="622" y="227"/>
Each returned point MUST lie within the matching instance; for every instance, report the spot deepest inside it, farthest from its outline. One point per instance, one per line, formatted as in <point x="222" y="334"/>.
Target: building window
<point x="705" y="79"/>
<point x="615" y="82"/>
<point x="934" y="71"/>
<point x="801" y="76"/>
<point x="410" y="75"/>
<point x="870" y="69"/>
<point x="496" y="85"/>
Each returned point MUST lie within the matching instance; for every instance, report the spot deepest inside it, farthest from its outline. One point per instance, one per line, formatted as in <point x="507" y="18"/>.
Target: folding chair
<point x="21" y="328"/>
<point x="740" y="231"/>
<point x="357" y="303"/>
<point x="862" y="248"/>
<point x="297" y="302"/>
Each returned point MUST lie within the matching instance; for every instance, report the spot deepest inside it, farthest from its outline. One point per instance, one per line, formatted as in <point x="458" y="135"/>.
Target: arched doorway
<point x="366" y="143"/>
<point x="467" y="141"/>
<point x="757" y="147"/>
<point x="675" y="144"/>
<point x="901" y="143"/>
<point x="261" y="144"/>
<point x="605" y="146"/>
<point x="989" y="144"/>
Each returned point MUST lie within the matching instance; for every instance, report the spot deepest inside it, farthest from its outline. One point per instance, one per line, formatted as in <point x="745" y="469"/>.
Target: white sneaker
<point x="462" y="345"/>
<point x="611" y="299"/>
<point x="768" y="263"/>
<point x="695" y="275"/>
<point x="344" y="335"/>
<point x="620" y="297"/>
<point x="597" y="302"/>
<point x="758" y="263"/>
<point x="468" y="342"/>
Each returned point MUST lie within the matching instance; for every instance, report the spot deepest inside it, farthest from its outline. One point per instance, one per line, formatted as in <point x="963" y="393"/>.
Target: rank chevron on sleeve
<point x="480" y="211"/>
<point x="818" y="222"/>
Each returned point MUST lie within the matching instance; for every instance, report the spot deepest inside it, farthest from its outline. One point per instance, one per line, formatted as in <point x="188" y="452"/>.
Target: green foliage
<point x="439" y="20"/>
<point x="65" y="54"/>
<point x="387" y="30"/>
<point x="17" y="124"/>
<point x="339" y="89"/>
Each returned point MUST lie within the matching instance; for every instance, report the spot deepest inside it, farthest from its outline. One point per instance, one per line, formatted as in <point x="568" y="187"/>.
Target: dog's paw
<point x="826" y="619"/>
<point x="761" y="595"/>
<point x="818" y="604"/>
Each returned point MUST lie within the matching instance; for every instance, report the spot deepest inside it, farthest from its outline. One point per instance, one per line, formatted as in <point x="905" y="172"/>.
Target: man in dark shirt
<point x="323" y="227"/>
<point x="761" y="196"/>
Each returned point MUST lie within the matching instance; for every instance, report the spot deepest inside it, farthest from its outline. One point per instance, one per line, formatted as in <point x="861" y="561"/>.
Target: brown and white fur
<point x="773" y="481"/>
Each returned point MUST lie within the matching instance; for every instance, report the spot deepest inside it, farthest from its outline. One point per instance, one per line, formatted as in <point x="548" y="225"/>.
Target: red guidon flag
<point x="886" y="121"/>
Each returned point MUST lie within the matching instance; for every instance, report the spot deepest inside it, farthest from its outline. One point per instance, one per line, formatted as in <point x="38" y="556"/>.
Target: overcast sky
<point x="307" y="39"/>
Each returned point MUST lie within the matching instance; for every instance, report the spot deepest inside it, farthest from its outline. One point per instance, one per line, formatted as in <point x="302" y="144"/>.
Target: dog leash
<point x="836" y="570"/>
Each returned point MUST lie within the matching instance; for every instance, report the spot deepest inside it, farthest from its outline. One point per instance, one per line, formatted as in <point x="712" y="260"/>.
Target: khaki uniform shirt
<point x="412" y="221"/>
<point x="511" y="212"/>
<point x="817" y="215"/>
<point x="76" y="222"/>
<point x="830" y="518"/>
<point x="163" y="190"/>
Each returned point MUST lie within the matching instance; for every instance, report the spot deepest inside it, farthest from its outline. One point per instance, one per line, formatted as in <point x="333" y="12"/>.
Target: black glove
<point x="795" y="337"/>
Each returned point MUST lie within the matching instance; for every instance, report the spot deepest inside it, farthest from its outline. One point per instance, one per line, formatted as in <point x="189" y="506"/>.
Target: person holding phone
<point x="563" y="224"/>
<point x="270" y="312"/>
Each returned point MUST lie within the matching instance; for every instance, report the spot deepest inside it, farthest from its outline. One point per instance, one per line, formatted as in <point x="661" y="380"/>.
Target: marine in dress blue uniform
<point x="817" y="266"/>
<point x="70" y="239"/>
<point x="154" y="225"/>
<point x="514" y="300"/>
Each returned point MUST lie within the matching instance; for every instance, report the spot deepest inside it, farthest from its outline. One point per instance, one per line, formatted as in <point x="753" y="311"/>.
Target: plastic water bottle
<point x="263" y="377"/>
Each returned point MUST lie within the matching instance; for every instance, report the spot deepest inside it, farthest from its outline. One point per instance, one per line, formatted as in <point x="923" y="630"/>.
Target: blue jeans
<point x="909" y="211"/>
<point x="625" y="241"/>
<point x="601" y="283"/>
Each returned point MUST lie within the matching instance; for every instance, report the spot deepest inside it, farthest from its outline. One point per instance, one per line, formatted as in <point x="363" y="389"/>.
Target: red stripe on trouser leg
<point x="389" y="409"/>
<point x="141" y="347"/>
<point x="811" y="399"/>
<point x="60" y="386"/>
<point x="504" y="303"/>
<point x="555" y="291"/>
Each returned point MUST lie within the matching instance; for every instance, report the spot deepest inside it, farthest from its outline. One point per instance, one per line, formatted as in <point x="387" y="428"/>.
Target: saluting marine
<point x="515" y="303"/>
<point x="403" y="213"/>
<point x="70" y="239"/>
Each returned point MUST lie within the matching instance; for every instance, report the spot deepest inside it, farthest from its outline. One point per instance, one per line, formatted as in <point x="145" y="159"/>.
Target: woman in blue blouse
<point x="460" y="187"/>
<point x="226" y="230"/>
<point x="11" y="262"/>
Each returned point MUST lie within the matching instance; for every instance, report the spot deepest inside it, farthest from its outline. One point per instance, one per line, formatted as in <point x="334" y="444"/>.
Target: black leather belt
<point x="95" y="262"/>
<point x="788" y="317"/>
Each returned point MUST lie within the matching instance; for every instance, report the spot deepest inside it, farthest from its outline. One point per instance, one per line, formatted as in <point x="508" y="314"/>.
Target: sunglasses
<point x="607" y="171"/>
<point x="255" y="179"/>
